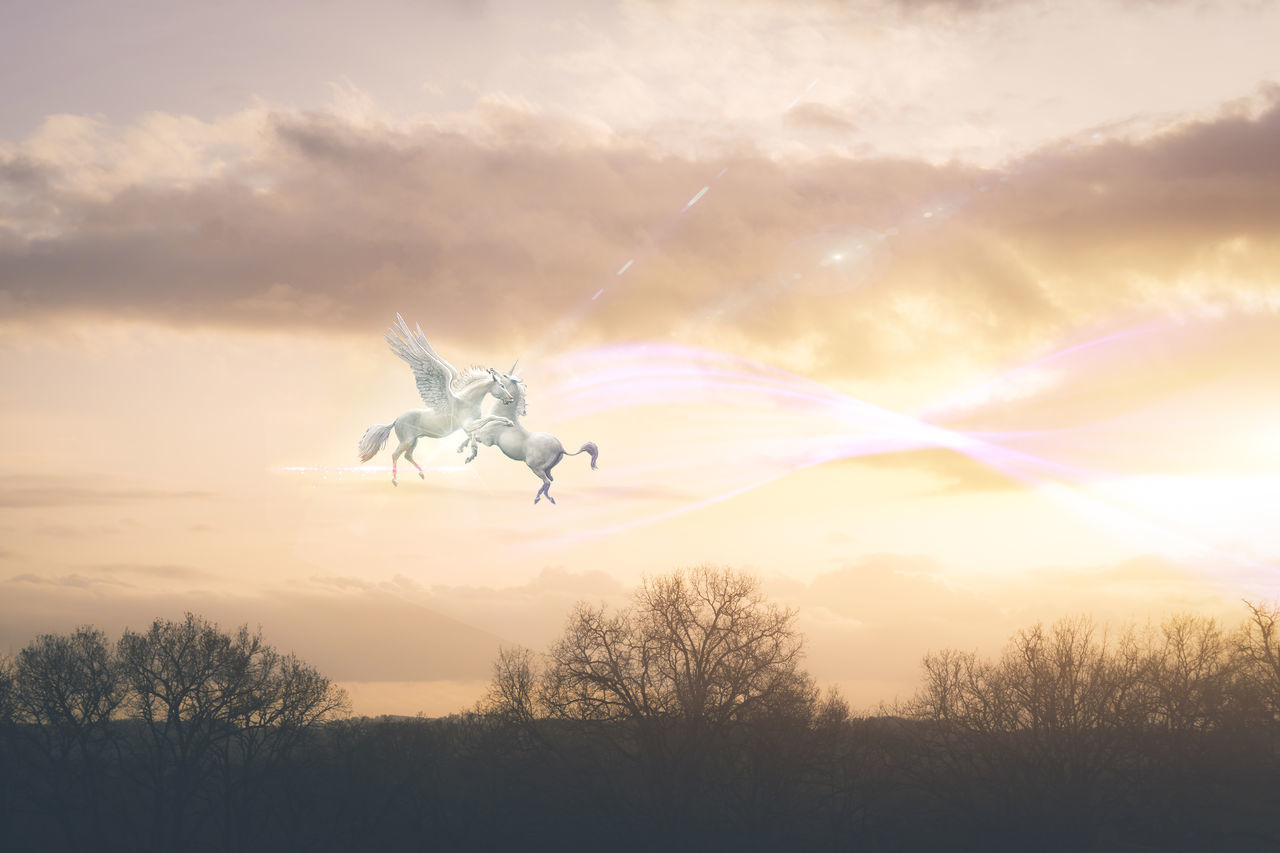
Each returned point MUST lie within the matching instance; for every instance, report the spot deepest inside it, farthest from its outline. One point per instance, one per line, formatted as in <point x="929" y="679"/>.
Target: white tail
<point x="375" y="437"/>
<point x="589" y="447"/>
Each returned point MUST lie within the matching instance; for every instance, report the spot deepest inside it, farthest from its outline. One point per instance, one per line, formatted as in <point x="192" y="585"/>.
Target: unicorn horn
<point x="512" y="371"/>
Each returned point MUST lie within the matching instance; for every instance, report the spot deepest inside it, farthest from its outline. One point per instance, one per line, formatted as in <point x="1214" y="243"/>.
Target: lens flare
<point x="743" y="424"/>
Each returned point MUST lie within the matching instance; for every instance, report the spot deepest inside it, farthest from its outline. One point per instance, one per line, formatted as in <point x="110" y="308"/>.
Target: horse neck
<point x="510" y="410"/>
<point x="473" y="392"/>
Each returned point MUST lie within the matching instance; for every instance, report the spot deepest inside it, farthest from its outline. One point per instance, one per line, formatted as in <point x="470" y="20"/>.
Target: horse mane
<point x="474" y="373"/>
<point x="522" y="399"/>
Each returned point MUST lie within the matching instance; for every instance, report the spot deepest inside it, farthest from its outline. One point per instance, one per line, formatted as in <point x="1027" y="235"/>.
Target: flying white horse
<point x="541" y="451"/>
<point x="453" y="399"/>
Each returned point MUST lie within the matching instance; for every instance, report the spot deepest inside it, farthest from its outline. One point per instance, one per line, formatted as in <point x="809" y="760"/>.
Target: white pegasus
<point x="541" y="451"/>
<point x="453" y="399"/>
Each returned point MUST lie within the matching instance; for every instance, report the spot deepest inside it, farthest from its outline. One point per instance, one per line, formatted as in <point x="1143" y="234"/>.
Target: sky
<point x="940" y="317"/>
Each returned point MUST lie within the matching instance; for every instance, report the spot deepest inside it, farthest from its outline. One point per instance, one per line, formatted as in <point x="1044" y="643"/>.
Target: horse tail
<point x="589" y="447"/>
<point x="375" y="438"/>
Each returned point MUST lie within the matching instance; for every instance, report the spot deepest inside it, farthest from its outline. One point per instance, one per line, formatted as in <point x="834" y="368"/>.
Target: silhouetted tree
<point x="1045" y="732"/>
<point x="1191" y="668"/>
<point x="8" y="691"/>
<point x="701" y="645"/>
<point x="1259" y="649"/>
<point x="211" y="706"/>
<point x="512" y="692"/>
<point x="66" y="692"/>
<point x="286" y="700"/>
<point x="9" y="757"/>
<point x="660" y="682"/>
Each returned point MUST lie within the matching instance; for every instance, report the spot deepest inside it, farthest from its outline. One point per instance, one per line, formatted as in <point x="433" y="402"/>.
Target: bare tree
<point x="1191" y="668"/>
<point x="699" y="644"/>
<point x="66" y="690"/>
<point x="512" y="693"/>
<point x="8" y="691"/>
<point x="9" y="765"/>
<point x="1259" y="649"/>
<point x="666" y="683"/>
<point x="1048" y="725"/>
<point x="211" y="706"/>
<point x="67" y="686"/>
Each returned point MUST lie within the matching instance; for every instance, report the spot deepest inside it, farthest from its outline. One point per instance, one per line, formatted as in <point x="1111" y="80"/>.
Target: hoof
<point x="553" y="500"/>
<point x="394" y="483"/>
<point x="421" y="476"/>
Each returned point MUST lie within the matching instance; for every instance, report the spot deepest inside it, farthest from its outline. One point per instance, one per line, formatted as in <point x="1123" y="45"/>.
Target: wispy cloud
<point x="22" y="492"/>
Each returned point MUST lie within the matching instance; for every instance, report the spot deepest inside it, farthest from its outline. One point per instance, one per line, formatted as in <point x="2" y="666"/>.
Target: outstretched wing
<point x="433" y="373"/>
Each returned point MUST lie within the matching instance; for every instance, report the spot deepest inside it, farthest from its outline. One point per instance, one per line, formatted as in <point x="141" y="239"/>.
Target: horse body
<point x="414" y="424"/>
<point x="541" y="451"/>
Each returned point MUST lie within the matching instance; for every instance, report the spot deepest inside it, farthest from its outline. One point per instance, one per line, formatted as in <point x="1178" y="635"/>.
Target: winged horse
<point x="541" y="451"/>
<point x="453" y="399"/>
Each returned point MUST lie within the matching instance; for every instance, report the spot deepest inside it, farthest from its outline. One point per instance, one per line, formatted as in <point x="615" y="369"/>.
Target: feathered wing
<point x="434" y="375"/>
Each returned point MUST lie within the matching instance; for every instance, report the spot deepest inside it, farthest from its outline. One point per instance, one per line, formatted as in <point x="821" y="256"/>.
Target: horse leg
<point x="395" y="456"/>
<point x="546" y="485"/>
<point x="470" y="439"/>
<point x="472" y="429"/>
<point x="408" y="454"/>
<point x="475" y="448"/>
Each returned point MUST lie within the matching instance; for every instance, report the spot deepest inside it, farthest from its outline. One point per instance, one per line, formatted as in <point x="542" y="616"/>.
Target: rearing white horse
<point x="541" y="451"/>
<point x="453" y="399"/>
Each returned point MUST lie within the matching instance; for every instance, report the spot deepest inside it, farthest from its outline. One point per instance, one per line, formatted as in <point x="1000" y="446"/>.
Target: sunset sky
<point x="941" y="317"/>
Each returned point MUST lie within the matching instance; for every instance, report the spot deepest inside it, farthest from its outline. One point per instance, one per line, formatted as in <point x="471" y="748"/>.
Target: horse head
<point x="516" y="382"/>
<point x="502" y="392"/>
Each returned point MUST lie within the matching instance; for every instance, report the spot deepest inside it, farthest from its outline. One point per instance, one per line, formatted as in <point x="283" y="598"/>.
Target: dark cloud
<point x="502" y="233"/>
<point x="21" y="175"/>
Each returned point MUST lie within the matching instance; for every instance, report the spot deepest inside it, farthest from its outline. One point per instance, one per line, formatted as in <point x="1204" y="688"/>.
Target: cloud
<point x="501" y="232"/>
<point x="530" y="613"/>
<point x="372" y="635"/>
<point x="956" y="472"/>
<point x="819" y="117"/>
<point x="23" y="492"/>
<point x="869" y="623"/>
<point x="74" y="581"/>
<point x="350" y="628"/>
<point x="159" y="572"/>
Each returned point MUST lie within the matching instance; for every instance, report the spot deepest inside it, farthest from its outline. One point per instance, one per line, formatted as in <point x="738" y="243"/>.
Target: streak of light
<point x="827" y="425"/>
<point x="802" y="94"/>
<point x="694" y="200"/>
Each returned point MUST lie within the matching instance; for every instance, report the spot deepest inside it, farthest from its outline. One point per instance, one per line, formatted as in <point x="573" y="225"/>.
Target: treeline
<point x="682" y="721"/>
<point x="170" y="739"/>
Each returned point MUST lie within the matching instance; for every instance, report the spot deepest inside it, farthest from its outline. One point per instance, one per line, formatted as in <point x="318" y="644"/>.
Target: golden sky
<point x="940" y="317"/>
